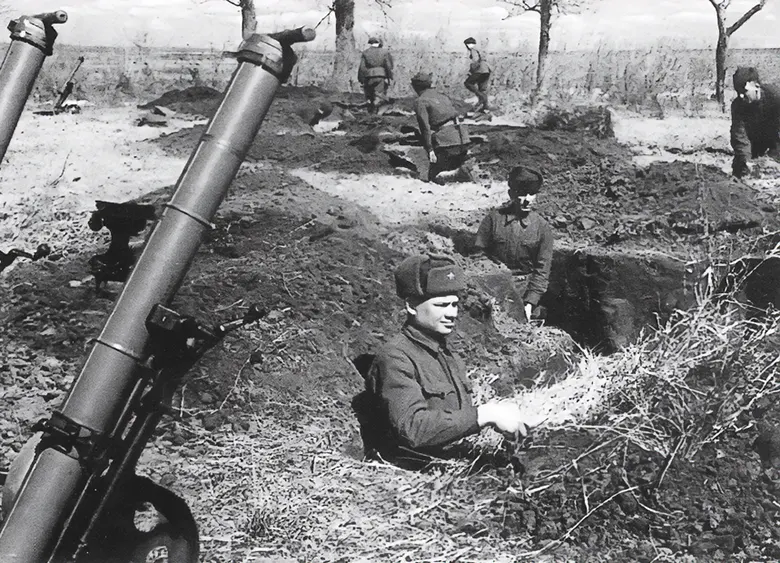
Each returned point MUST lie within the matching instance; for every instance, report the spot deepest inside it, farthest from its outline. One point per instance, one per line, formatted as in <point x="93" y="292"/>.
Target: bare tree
<point x="344" y="11"/>
<point x="546" y="9"/>
<point x="346" y="50"/>
<point x="248" y="16"/>
<point x="724" y="34"/>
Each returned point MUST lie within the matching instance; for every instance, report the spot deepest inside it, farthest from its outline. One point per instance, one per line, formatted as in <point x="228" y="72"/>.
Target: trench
<point x="605" y="299"/>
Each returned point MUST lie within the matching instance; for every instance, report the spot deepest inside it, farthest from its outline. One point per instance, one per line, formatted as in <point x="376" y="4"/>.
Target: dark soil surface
<point x="592" y="191"/>
<point x="321" y="269"/>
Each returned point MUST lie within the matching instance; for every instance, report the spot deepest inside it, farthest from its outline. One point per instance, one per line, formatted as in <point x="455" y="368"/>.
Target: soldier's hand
<point x="529" y="309"/>
<point x="432" y="157"/>
<point x="504" y="417"/>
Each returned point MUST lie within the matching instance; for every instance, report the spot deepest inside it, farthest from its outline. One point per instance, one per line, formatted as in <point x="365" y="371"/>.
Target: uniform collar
<point x="508" y="211"/>
<point x="434" y="344"/>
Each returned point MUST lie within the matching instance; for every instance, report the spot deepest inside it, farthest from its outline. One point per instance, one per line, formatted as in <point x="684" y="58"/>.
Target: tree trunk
<point x="720" y="69"/>
<point x="248" y="18"/>
<point x="545" y="23"/>
<point x="344" y="65"/>
<point x="721" y="49"/>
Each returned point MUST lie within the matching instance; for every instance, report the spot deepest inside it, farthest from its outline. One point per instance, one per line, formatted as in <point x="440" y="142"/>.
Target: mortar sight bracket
<point x="123" y="220"/>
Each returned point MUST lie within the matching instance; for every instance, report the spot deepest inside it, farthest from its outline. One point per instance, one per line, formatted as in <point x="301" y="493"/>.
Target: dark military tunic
<point x="375" y="62"/>
<point x="478" y="64"/>
<point x="422" y="388"/>
<point x="375" y="70"/>
<point x="522" y="244"/>
<point x="755" y="126"/>
<point x="436" y="114"/>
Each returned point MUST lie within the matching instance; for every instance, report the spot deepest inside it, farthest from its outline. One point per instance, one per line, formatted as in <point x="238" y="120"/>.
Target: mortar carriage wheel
<point x="148" y="524"/>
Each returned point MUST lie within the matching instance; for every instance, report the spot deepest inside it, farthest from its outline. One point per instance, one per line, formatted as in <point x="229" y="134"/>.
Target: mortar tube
<point x="100" y="393"/>
<point x="32" y="39"/>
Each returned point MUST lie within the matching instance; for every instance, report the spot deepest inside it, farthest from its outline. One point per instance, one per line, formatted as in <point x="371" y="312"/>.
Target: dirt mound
<point x="296" y="145"/>
<point x="595" y="120"/>
<point x="195" y="100"/>
<point x="552" y="152"/>
<point x="610" y="203"/>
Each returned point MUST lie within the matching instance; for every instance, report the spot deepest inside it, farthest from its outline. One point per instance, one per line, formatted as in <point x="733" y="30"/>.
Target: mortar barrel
<point x="32" y="38"/>
<point x="100" y="393"/>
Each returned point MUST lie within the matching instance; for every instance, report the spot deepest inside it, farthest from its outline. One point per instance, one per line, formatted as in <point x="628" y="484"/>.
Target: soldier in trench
<point x="755" y="120"/>
<point x="417" y="384"/>
<point x="443" y="136"/>
<point x="518" y="237"/>
<point x="375" y="74"/>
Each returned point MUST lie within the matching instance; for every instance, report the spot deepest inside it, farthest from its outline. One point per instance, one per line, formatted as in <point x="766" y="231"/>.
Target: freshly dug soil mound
<point x="195" y="100"/>
<point x="611" y="203"/>
<point x="594" y="120"/>
<point x="293" y="148"/>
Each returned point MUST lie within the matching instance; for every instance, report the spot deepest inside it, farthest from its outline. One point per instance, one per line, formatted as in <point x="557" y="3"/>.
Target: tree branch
<point x="524" y="5"/>
<point x="745" y="17"/>
<point x="331" y="9"/>
<point x="236" y="3"/>
<point x="384" y="5"/>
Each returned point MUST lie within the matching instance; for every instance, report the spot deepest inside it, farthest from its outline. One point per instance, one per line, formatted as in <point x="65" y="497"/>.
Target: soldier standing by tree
<point x="375" y="74"/>
<point x="479" y="76"/>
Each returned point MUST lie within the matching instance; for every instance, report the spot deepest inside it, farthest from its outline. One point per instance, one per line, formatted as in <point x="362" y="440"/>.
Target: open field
<point x="682" y="78"/>
<point x="643" y="454"/>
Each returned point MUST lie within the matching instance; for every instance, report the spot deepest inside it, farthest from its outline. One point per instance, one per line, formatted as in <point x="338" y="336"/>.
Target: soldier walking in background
<point x="520" y="238"/>
<point x="755" y="120"/>
<point x="375" y="74"/>
<point x="479" y="75"/>
<point x="445" y="139"/>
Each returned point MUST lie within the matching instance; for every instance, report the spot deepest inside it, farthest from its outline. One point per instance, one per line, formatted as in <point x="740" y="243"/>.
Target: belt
<point x="454" y="120"/>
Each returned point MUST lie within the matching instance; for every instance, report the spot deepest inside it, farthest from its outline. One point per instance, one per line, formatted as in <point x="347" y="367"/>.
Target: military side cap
<point x="526" y="180"/>
<point x="428" y="276"/>
<point x="469" y="41"/>
<point x="742" y="76"/>
<point x="422" y="78"/>
<point x="325" y="108"/>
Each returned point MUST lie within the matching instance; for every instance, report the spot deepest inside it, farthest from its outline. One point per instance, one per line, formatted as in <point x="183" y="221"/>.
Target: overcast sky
<point x="215" y="23"/>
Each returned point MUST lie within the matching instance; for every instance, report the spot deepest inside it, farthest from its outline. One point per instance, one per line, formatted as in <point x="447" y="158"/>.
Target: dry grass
<point x="664" y="78"/>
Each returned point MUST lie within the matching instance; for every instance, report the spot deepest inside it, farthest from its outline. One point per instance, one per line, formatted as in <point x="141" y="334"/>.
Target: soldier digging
<point x="445" y="139"/>
<point x="755" y="120"/>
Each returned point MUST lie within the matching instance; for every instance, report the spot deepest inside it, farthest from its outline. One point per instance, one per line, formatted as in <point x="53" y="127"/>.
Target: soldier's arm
<point x="540" y="276"/>
<point x="476" y="59"/>
<point x="423" y="120"/>
<point x="484" y="238"/>
<point x="389" y="65"/>
<point x="416" y="424"/>
<point x="362" y="69"/>
<point x="739" y="139"/>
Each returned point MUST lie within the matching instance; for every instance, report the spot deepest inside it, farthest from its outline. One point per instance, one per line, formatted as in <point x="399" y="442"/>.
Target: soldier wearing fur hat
<point x="520" y="238"/>
<point x="479" y="75"/>
<point x="755" y="120"/>
<point x="445" y="139"/>
<point x="375" y="74"/>
<point x="421" y="385"/>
